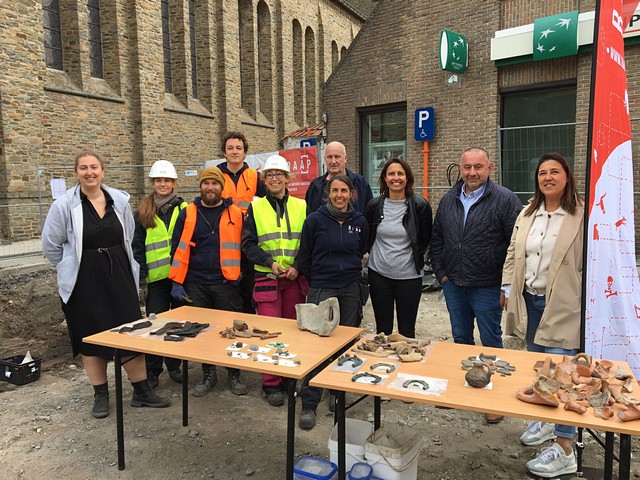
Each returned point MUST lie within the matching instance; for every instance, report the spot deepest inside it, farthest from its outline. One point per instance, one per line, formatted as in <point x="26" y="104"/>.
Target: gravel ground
<point x="48" y="431"/>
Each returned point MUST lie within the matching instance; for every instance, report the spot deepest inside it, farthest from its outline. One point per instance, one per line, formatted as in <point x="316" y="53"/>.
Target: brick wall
<point x="394" y="61"/>
<point x="46" y="115"/>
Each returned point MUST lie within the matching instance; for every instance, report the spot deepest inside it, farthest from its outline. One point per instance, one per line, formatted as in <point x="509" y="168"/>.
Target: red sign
<point x="303" y="163"/>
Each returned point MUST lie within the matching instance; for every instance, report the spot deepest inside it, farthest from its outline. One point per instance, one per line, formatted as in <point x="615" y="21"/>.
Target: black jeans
<point x="350" y="316"/>
<point x="405" y="294"/>
<point x="224" y="296"/>
<point x="159" y="300"/>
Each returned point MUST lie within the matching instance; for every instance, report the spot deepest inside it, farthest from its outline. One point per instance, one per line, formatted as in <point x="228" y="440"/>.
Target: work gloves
<point x="179" y="293"/>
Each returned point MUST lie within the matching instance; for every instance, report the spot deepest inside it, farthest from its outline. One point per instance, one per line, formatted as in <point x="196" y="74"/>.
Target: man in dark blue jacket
<point x="471" y="234"/>
<point x="335" y="159"/>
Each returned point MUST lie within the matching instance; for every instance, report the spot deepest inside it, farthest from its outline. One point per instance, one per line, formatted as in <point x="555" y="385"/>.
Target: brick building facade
<point x="398" y="71"/>
<point x="143" y="80"/>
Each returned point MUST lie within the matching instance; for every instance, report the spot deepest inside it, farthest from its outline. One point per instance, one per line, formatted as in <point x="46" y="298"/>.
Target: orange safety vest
<point x="243" y="193"/>
<point x="230" y="240"/>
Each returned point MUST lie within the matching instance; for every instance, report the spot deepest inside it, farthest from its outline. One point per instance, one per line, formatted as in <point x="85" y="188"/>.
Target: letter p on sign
<point x="424" y="124"/>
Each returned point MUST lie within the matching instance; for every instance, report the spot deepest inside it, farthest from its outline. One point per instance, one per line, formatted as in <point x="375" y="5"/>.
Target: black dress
<point x="105" y="294"/>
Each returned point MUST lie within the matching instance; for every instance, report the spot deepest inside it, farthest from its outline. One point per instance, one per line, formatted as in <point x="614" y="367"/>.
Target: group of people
<point x="246" y="245"/>
<point x="491" y="255"/>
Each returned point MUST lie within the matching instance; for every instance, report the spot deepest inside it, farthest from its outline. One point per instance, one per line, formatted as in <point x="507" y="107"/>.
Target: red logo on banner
<point x="303" y="163"/>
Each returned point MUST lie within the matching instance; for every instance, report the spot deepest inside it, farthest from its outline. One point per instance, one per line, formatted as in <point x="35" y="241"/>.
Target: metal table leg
<point x="377" y="412"/>
<point x="119" y="413"/>
<point x="609" y="440"/>
<point x="340" y="414"/>
<point x="291" y="424"/>
<point x="624" y="465"/>
<point x="185" y="393"/>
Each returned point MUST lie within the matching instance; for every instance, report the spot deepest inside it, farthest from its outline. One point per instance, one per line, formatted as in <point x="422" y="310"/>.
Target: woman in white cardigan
<point x="87" y="237"/>
<point x="542" y="282"/>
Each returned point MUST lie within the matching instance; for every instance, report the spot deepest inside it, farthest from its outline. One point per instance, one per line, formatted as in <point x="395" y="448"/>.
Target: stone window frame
<point x="52" y="34"/>
<point x="166" y="45"/>
<point x="311" y="76"/>
<point x="76" y="78"/>
<point x="298" y="80"/>
<point x="335" y="54"/>
<point x="94" y="23"/>
<point x="255" y="53"/>
<point x="193" y="48"/>
<point x="187" y="49"/>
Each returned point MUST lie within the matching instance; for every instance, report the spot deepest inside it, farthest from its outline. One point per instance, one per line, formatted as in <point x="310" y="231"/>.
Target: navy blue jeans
<point x="468" y="303"/>
<point x="535" y="307"/>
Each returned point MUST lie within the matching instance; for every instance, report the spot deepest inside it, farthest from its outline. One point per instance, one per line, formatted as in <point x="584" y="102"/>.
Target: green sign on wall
<point x="555" y="36"/>
<point x="454" y="52"/>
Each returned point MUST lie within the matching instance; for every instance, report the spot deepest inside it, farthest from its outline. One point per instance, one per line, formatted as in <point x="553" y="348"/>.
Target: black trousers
<point x="350" y="316"/>
<point x="159" y="300"/>
<point x="403" y="294"/>
<point x="224" y="296"/>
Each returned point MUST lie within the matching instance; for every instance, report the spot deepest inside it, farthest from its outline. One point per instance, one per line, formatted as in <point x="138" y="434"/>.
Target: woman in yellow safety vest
<point x="155" y="220"/>
<point x="270" y="240"/>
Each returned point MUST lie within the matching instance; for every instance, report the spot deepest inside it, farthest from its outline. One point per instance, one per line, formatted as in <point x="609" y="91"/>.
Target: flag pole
<point x="587" y="177"/>
<point x="587" y="196"/>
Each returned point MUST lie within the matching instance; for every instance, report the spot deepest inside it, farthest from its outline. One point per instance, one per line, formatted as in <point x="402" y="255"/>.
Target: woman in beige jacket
<point x="542" y="282"/>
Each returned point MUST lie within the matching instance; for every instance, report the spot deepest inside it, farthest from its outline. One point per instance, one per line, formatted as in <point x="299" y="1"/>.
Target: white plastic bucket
<point x="393" y="452"/>
<point x="356" y="434"/>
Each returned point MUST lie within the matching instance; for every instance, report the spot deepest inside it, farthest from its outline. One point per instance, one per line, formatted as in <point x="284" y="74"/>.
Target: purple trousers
<point x="278" y="298"/>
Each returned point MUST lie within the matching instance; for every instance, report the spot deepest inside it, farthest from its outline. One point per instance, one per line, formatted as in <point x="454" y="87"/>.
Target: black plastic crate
<point x="13" y="372"/>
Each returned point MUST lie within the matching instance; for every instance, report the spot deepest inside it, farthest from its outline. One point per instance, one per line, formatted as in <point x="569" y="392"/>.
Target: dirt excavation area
<point x="48" y="431"/>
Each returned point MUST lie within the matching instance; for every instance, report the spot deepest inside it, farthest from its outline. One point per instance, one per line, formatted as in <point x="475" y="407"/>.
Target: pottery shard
<point x="321" y="319"/>
<point x="574" y="406"/>
<point x="632" y="413"/>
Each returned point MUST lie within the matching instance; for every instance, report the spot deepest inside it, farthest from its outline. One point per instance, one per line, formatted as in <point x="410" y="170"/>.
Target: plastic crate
<point x="12" y="371"/>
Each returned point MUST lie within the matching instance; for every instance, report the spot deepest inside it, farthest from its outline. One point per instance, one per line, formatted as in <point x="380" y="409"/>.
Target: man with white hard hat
<point x="270" y="240"/>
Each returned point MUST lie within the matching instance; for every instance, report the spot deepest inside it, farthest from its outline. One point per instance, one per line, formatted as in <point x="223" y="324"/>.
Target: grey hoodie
<point x="62" y="236"/>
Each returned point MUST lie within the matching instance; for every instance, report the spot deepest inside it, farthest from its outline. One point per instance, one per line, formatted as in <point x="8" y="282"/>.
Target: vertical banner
<point x="303" y="163"/>
<point x="612" y="302"/>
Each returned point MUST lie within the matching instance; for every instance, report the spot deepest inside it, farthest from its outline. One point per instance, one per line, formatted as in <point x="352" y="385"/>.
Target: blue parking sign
<point x="424" y="124"/>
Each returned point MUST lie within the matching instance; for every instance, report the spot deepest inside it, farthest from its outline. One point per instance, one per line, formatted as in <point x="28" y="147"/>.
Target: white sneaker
<point x="553" y="462"/>
<point x="538" y="433"/>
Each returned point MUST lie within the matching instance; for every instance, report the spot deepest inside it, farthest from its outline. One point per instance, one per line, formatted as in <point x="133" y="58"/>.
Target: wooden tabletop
<point x="210" y="347"/>
<point x="443" y="362"/>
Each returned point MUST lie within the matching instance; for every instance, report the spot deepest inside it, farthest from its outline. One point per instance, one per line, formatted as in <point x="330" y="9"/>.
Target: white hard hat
<point x="276" y="162"/>
<point x="163" y="169"/>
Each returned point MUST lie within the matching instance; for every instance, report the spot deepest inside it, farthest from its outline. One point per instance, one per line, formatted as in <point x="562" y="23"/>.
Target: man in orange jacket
<point x="205" y="267"/>
<point x="242" y="185"/>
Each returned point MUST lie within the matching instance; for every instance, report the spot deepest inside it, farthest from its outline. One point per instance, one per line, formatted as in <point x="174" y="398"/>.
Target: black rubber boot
<point x="100" y="401"/>
<point x="143" y="396"/>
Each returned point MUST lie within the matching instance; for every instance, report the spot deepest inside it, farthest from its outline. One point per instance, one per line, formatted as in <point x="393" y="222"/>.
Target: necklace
<point x="215" y="222"/>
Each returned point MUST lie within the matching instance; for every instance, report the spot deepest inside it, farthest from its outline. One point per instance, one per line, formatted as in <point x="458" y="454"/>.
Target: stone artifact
<point x="407" y="349"/>
<point x="479" y="375"/>
<point x="321" y="319"/>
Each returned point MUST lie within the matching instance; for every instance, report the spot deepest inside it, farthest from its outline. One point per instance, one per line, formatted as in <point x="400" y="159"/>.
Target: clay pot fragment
<point x="540" y="393"/>
<point x="603" y="412"/>
<point x="574" y="406"/>
<point x="582" y="359"/>
<point x="564" y="370"/>
<point x="546" y="367"/>
<point x="632" y="413"/>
